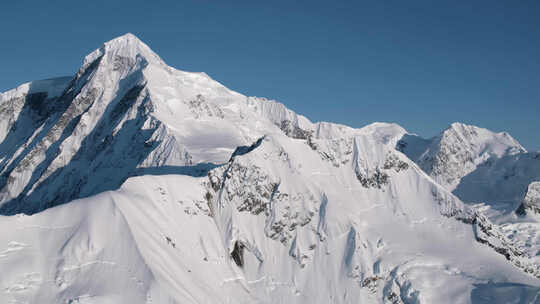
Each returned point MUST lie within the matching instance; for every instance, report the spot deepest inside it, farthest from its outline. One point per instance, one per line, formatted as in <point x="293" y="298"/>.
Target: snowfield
<point x="134" y="182"/>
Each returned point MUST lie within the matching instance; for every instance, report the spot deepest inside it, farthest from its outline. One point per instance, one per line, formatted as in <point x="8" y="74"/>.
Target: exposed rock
<point x="393" y="162"/>
<point x="238" y="253"/>
<point x="375" y="180"/>
<point x="491" y="235"/>
<point x="200" y="107"/>
<point x="293" y="130"/>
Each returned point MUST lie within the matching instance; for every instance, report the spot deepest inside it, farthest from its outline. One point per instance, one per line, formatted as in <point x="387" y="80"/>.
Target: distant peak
<point x="461" y="128"/>
<point x="479" y="135"/>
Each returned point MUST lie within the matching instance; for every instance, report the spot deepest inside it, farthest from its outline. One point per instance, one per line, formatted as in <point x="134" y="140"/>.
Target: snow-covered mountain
<point x="458" y="151"/>
<point x="134" y="182"/>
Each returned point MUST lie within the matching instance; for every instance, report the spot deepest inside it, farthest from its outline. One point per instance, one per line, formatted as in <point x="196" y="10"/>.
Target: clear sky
<point x="422" y="64"/>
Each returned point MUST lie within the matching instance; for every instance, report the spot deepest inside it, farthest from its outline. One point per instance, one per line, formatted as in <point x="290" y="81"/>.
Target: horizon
<point x="314" y="74"/>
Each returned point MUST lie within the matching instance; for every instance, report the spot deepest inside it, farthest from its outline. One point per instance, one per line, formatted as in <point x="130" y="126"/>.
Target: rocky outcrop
<point x="246" y="186"/>
<point x="379" y="177"/>
<point x="490" y="234"/>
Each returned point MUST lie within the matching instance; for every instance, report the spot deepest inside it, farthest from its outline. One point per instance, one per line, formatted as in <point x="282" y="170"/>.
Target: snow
<point x="489" y="171"/>
<point x="458" y="151"/>
<point x="155" y="185"/>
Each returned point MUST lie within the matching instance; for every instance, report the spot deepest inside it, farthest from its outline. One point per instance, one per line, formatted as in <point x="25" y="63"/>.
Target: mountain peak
<point x="462" y="127"/>
<point x="126" y="36"/>
<point x="459" y="125"/>
<point x="482" y="136"/>
<point x="126" y="42"/>
<point x="457" y="151"/>
<point x="125" y="46"/>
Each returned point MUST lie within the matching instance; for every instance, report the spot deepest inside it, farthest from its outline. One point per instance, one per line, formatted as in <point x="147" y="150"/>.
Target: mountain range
<point x="135" y="182"/>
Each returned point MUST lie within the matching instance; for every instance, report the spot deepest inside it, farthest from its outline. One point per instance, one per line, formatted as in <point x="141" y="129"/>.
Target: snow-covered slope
<point x="501" y="183"/>
<point x="174" y="189"/>
<point x="489" y="171"/>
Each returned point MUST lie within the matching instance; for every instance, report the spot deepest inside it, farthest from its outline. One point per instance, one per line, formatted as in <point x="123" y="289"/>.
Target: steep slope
<point x="501" y="183"/>
<point x="81" y="253"/>
<point x="230" y="199"/>
<point x="25" y="101"/>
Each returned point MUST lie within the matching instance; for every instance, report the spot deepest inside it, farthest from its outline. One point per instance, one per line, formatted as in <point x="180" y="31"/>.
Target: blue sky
<point x="422" y="64"/>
